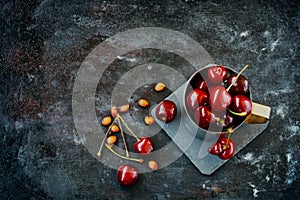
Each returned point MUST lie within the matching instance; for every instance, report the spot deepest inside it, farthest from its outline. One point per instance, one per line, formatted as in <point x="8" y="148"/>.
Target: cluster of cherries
<point x="219" y="101"/>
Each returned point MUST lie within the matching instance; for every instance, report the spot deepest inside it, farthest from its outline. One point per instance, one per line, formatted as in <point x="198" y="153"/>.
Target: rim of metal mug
<point x="188" y="85"/>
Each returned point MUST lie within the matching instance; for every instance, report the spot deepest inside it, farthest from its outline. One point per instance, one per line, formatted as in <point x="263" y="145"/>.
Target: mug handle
<point x="259" y="114"/>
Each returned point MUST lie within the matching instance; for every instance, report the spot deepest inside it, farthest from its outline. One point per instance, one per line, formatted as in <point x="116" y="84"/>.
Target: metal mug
<point x="259" y="114"/>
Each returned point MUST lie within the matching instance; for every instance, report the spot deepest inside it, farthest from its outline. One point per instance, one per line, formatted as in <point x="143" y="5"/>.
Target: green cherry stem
<point x="233" y="82"/>
<point x="230" y="131"/>
<point x="109" y="147"/>
<point x="238" y="114"/>
<point x="123" y="136"/>
<point x="127" y="127"/>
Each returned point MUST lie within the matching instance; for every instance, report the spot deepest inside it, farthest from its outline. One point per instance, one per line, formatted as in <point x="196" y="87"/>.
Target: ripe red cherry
<point x="127" y="175"/>
<point x="239" y="86"/>
<point x="228" y="151"/>
<point x="143" y="146"/>
<point x="216" y="74"/>
<point x="219" y="98"/>
<point x="221" y="149"/>
<point x="166" y="111"/>
<point x="228" y="121"/>
<point x="203" y="116"/>
<point x="216" y="149"/>
<point x="241" y="103"/>
<point x="225" y="121"/>
<point x="201" y="85"/>
<point x="196" y="98"/>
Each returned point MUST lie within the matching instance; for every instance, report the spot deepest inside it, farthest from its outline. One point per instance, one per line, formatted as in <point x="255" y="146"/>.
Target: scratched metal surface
<point x="43" y="44"/>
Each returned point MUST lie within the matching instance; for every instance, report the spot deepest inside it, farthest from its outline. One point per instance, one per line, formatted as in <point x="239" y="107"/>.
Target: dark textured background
<point x="42" y="46"/>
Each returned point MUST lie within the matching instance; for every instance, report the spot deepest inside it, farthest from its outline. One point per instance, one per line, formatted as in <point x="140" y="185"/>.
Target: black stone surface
<point x="43" y="44"/>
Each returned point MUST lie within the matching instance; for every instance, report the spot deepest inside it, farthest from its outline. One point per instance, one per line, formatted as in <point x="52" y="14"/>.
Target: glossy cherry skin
<point x="225" y="121"/>
<point x="196" y="98"/>
<point x="240" y="86"/>
<point x="220" y="149"/>
<point x="203" y="116"/>
<point x="216" y="148"/>
<point x="201" y="85"/>
<point x="216" y="74"/>
<point x="241" y="103"/>
<point x="127" y="175"/>
<point x="143" y="146"/>
<point x="166" y="111"/>
<point x="219" y="98"/>
<point x="228" y="152"/>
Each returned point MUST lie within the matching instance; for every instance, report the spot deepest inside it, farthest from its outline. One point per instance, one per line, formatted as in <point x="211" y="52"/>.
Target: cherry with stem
<point x="143" y="145"/>
<point x="233" y="82"/>
<point x="109" y="147"/>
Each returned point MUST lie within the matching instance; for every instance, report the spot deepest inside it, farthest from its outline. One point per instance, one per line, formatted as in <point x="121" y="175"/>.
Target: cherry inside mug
<point x="212" y="104"/>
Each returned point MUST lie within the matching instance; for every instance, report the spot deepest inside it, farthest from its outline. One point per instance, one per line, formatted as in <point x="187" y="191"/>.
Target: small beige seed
<point x="111" y="139"/>
<point x="149" y="120"/>
<point x="159" y="87"/>
<point x="114" y="128"/>
<point x="113" y="111"/>
<point x="153" y="165"/>
<point x="106" y="121"/>
<point x="143" y="103"/>
<point x="124" y="108"/>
